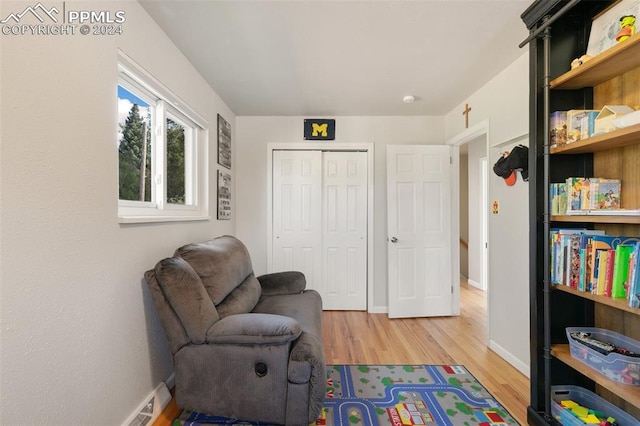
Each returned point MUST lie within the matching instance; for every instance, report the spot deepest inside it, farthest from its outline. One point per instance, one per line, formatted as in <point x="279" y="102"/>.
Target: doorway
<point x="474" y="193"/>
<point x="320" y="219"/>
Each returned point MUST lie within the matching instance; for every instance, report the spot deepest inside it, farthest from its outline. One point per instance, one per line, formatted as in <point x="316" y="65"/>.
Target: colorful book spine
<point x="621" y="270"/>
<point x="608" y="278"/>
<point x="585" y="194"/>
<point x="597" y="263"/>
<point x="594" y="184"/>
<point x="574" y="193"/>
<point x="574" y="262"/>
<point x="633" y="293"/>
<point x="582" y="275"/>
<point x="602" y="272"/>
<point x="562" y="198"/>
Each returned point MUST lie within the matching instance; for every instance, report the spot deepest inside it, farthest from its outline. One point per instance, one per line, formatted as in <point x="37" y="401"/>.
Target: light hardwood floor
<point x="362" y="338"/>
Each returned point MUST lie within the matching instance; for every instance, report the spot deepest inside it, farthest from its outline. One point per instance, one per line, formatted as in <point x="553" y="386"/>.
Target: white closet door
<point x="320" y="223"/>
<point x="344" y="237"/>
<point x="297" y="214"/>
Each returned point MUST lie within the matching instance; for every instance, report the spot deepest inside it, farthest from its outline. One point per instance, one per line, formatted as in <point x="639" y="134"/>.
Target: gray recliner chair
<point x="243" y="347"/>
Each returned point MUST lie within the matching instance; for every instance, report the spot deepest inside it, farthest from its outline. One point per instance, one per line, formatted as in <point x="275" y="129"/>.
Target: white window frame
<point x="167" y="105"/>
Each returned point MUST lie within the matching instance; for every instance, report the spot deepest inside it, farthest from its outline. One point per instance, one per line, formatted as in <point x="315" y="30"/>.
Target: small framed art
<point x="224" y="142"/>
<point x="224" y="195"/>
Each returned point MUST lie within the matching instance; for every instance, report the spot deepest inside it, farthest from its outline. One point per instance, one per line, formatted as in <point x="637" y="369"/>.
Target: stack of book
<point x="584" y="196"/>
<point x="571" y="126"/>
<point x="592" y="262"/>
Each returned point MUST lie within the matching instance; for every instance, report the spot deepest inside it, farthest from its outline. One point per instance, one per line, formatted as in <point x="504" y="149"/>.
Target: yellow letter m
<point x="319" y="128"/>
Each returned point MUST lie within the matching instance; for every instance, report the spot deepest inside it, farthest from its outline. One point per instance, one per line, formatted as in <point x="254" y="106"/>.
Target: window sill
<point x="157" y="219"/>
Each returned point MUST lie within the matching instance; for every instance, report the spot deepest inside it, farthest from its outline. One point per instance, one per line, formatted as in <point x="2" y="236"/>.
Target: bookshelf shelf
<point x="631" y="394"/>
<point x="615" y="139"/>
<point x="610" y="63"/>
<point x="596" y="219"/>
<point x="620" y="304"/>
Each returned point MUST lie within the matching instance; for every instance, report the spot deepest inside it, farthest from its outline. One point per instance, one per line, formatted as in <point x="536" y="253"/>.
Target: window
<point x="162" y="151"/>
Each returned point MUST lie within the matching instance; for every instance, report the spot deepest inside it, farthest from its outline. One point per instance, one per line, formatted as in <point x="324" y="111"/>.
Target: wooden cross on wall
<point x="466" y="115"/>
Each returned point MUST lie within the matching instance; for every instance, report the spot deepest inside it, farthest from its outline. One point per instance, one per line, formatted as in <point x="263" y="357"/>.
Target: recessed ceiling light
<point x="409" y="99"/>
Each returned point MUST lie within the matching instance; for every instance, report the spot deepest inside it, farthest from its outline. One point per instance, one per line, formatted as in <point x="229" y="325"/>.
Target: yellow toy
<point x="627" y="28"/>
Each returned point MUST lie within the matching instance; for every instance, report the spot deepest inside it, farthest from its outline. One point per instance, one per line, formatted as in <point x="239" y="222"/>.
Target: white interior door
<point x="320" y="222"/>
<point x="344" y="238"/>
<point x="419" y="192"/>
<point x="297" y="213"/>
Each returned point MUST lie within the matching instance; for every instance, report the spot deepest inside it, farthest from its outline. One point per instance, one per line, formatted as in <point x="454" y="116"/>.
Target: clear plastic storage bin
<point x="618" y="367"/>
<point x="586" y="399"/>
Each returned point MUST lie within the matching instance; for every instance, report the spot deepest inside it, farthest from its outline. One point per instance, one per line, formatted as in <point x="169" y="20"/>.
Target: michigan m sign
<point x="319" y="129"/>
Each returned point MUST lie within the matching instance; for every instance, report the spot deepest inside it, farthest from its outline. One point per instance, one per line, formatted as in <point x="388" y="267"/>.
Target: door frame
<point x="484" y="202"/>
<point x="326" y="146"/>
<point x="468" y="135"/>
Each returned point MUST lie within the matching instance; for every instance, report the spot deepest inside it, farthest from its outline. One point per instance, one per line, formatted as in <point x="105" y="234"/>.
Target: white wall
<point x="464" y="213"/>
<point x="253" y="135"/>
<point x="80" y="340"/>
<point x="477" y="150"/>
<point x="504" y="104"/>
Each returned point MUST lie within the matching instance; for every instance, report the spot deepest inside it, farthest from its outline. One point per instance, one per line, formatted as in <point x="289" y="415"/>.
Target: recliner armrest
<point x="254" y="329"/>
<point x="282" y="283"/>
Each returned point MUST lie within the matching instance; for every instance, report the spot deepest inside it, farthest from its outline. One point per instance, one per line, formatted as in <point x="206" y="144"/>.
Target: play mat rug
<point x="395" y="395"/>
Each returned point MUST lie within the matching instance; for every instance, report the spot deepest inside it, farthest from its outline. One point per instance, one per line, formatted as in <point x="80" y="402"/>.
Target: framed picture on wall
<point x="608" y="26"/>
<point x="224" y="142"/>
<point x="224" y="195"/>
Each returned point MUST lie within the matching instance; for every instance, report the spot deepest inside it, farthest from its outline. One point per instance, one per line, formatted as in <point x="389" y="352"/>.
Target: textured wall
<point x="80" y="341"/>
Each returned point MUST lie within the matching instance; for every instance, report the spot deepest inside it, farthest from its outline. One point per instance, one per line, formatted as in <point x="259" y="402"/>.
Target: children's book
<point x="621" y="270"/>
<point x="574" y="193"/>
<point x="573" y="262"/>
<point x="582" y="280"/>
<point x="607" y="194"/>
<point x="602" y="271"/>
<point x="600" y="263"/>
<point x="558" y="198"/>
<point x="608" y="277"/>
<point x="633" y="292"/>
<point x="585" y="194"/>
<point x="561" y="194"/>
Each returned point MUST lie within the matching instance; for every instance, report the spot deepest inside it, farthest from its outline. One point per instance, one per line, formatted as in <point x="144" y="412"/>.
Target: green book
<point x="621" y="270"/>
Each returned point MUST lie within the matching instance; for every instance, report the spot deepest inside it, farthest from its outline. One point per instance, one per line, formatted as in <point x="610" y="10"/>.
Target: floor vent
<point x="151" y="408"/>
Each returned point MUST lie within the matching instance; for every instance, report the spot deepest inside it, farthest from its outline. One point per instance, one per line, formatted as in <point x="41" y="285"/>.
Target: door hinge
<point x="450" y="160"/>
<point x="451" y="289"/>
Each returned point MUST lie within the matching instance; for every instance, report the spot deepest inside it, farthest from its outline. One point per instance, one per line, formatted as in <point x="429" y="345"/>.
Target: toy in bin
<point x="587" y="415"/>
<point x="576" y="406"/>
<point x="614" y="355"/>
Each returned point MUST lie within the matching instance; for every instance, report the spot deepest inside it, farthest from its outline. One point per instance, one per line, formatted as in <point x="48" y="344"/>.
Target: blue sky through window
<point x="125" y="94"/>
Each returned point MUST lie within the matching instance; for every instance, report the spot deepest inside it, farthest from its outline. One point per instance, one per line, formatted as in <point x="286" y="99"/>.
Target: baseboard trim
<point x="379" y="310"/>
<point x="475" y="284"/>
<point x="151" y="407"/>
<point x="511" y="359"/>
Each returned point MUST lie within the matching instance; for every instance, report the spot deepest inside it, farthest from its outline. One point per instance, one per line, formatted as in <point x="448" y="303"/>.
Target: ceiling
<point x="338" y="57"/>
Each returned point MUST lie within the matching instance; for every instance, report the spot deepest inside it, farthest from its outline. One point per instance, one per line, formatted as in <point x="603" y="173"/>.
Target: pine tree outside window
<point x="162" y="152"/>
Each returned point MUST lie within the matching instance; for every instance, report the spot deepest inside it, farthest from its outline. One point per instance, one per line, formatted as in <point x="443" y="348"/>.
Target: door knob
<point x="394" y="240"/>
